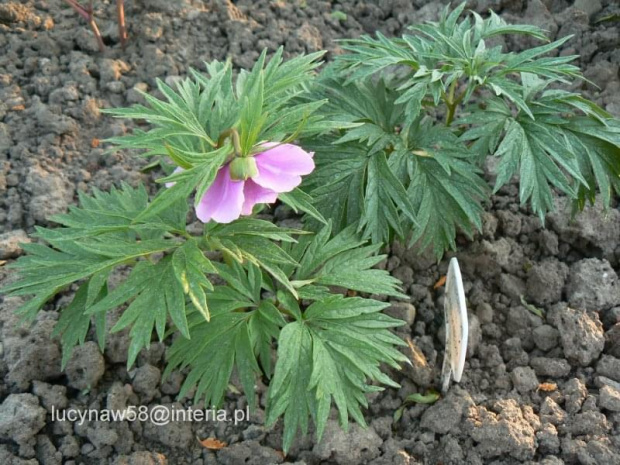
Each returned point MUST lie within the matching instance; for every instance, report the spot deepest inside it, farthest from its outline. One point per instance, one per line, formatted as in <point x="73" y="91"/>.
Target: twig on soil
<point x="88" y="15"/>
<point x="122" y="30"/>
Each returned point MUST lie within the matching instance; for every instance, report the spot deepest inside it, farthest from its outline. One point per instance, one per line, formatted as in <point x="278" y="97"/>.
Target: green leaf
<point x="539" y="152"/>
<point x="367" y="189"/>
<point x="213" y="350"/>
<point x="190" y="267"/>
<point x="254" y="227"/>
<point x="73" y="324"/>
<point x="248" y="239"/>
<point x="154" y="293"/>
<point x="329" y="357"/>
<point x="342" y="261"/>
<point x="252" y="116"/>
<point x="597" y="149"/>
<point x="199" y="177"/>
<point x="262" y="105"/>
<point x="418" y="398"/>
<point x="298" y="200"/>
<point x="264" y="326"/>
<point x="95" y="238"/>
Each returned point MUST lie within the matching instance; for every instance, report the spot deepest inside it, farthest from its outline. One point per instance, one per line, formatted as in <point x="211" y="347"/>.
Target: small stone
<point x="600" y="381"/>
<point x="9" y="243"/>
<point x="173" y="434"/>
<point x="50" y="395"/>
<point x="85" y="367"/>
<point x="524" y="379"/>
<point x="142" y="458"/>
<point x="512" y="352"/>
<point x="6" y="142"/>
<point x="115" y="87"/>
<point x="551" y="412"/>
<point x="590" y="7"/>
<point x="575" y="393"/>
<point x="506" y="253"/>
<point x="489" y="225"/>
<point x="46" y="452"/>
<point x="69" y="447"/>
<point x="548" y="440"/>
<point x="310" y="36"/>
<point x="511" y="286"/>
<point x="548" y="241"/>
<point x="505" y="433"/>
<point x="111" y="70"/>
<point x="520" y="322"/>
<point x="595" y="228"/>
<point x="118" y="395"/>
<point x="611" y="316"/>
<point x="545" y="282"/>
<point x="612" y="341"/>
<point x="510" y="223"/>
<point x="30" y="353"/>
<point x="593" y="285"/>
<point x="599" y="451"/>
<point x="609" y="398"/>
<point x="358" y="445"/>
<point x="581" y="333"/>
<point x="248" y="452"/>
<point x="68" y="93"/>
<point x="484" y="311"/>
<point x="553" y="367"/>
<point x="609" y="366"/>
<point x="135" y="94"/>
<point x="101" y="434"/>
<point x="404" y="274"/>
<point x="152" y="27"/>
<point x="402" y="311"/>
<point x="588" y="423"/>
<point x="21" y="418"/>
<point x="52" y="121"/>
<point x="146" y="381"/>
<point x="152" y="355"/>
<point x="172" y="384"/>
<point x="51" y="193"/>
<point x="446" y="414"/>
<point x="415" y="256"/>
<point x="254" y="433"/>
<point x="546" y="337"/>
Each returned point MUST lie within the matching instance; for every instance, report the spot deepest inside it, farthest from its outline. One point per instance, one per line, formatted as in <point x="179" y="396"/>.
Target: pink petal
<point x="178" y="169"/>
<point x="223" y="200"/>
<point x="254" y="194"/>
<point x="280" y="168"/>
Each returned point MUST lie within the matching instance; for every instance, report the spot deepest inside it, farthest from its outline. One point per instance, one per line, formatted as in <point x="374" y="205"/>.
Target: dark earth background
<point x="535" y="390"/>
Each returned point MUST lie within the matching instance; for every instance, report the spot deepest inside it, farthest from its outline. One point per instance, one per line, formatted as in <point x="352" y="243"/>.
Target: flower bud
<point x="243" y="168"/>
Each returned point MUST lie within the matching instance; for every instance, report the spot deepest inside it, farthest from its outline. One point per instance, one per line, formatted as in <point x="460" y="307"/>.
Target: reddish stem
<point x="87" y="14"/>
<point x="122" y="30"/>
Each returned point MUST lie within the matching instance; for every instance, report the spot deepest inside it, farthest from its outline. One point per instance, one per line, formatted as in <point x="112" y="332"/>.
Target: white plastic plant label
<point x="457" y="329"/>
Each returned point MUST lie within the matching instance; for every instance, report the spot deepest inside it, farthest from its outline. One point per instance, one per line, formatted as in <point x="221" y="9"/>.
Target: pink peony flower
<point x="279" y="169"/>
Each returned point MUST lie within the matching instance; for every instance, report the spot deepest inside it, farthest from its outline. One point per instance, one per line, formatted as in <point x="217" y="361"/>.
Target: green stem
<point x="451" y="103"/>
<point x="234" y="136"/>
<point x="450" y="114"/>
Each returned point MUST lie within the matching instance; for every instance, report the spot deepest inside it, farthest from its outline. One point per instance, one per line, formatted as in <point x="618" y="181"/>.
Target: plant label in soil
<point x="455" y="314"/>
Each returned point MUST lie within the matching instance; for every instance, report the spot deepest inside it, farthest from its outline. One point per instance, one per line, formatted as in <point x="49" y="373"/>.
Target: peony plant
<point x="388" y="141"/>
